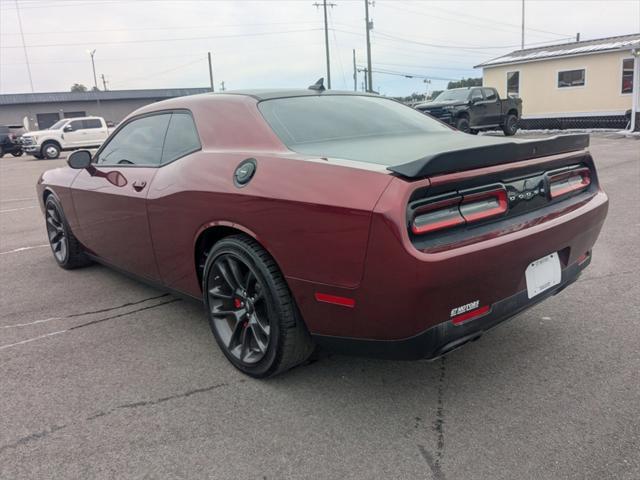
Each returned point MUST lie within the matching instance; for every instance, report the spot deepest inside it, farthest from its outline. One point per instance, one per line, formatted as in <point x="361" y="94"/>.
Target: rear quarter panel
<point x="312" y="217"/>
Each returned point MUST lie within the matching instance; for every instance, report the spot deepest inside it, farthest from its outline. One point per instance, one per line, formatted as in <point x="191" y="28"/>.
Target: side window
<point x="76" y="125"/>
<point x="92" y="123"/>
<point x="513" y="84"/>
<point x="182" y="138"/>
<point x="627" y="75"/>
<point x="138" y="143"/>
<point x="476" y="94"/>
<point x="571" y="78"/>
<point x="490" y="94"/>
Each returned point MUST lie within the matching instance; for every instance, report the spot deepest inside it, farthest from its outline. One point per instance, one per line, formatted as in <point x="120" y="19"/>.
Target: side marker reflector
<point x="470" y="315"/>
<point x="335" y="300"/>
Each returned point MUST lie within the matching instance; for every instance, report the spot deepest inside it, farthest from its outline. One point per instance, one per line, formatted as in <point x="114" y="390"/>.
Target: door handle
<point x="139" y="185"/>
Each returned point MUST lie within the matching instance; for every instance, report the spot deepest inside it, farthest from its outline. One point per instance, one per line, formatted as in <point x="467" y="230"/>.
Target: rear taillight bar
<point x="479" y="206"/>
<point x="569" y="181"/>
<point x="437" y="216"/>
<point x="459" y="210"/>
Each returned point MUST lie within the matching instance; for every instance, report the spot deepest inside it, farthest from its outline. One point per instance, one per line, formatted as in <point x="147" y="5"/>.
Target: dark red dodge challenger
<point x="345" y="220"/>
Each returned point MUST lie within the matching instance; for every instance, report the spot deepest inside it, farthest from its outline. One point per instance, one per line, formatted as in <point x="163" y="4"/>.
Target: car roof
<point x="269" y="94"/>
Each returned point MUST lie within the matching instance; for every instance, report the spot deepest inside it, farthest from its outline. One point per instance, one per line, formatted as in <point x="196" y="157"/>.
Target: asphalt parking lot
<point x="104" y="377"/>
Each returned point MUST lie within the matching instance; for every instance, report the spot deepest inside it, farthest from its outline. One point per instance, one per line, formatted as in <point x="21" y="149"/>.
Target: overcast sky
<point x="274" y="43"/>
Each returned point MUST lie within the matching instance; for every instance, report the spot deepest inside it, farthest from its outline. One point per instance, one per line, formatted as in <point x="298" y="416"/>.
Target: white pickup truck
<point x="67" y="134"/>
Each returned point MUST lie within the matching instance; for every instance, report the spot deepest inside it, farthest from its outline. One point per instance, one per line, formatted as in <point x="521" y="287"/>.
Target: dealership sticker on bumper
<point x="543" y="274"/>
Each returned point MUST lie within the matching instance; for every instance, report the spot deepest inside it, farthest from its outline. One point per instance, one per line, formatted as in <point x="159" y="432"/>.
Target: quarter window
<point x="182" y="138"/>
<point x="571" y="78"/>
<point x="76" y="125"/>
<point x="137" y="143"/>
<point x="490" y="94"/>
<point x="476" y="94"/>
<point x="92" y="123"/>
<point x="513" y="84"/>
<point x="627" y="75"/>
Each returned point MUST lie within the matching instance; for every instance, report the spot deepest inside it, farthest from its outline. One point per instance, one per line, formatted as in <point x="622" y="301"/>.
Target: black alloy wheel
<point x="251" y="311"/>
<point x="238" y="309"/>
<point x="56" y="232"/>
<point x="462" y="124"/>
<point x="510" y="125"/>
<point x="67" y="250"/>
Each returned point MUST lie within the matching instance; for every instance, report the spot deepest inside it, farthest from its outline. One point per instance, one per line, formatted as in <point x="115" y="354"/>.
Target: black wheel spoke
<point x="235" y="272"/>
<point x="227" y="276"/>
<point x="258" y="337"/>
<point x="216" y="292"/>
<point x="244" y="343"/>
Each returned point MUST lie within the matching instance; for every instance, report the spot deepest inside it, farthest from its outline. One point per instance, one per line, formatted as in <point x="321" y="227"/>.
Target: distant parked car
<point x="67" y="134"/>
<point x="10" y="140"/>
<point x="475" y="108"/>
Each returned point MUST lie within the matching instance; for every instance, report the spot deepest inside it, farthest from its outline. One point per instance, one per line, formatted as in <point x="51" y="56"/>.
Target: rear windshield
<point x="303" y="122"/>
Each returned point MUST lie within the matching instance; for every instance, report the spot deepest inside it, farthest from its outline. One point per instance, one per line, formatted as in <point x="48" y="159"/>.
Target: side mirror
<point x="67" y="128"/>
<point x="79" y="159"/>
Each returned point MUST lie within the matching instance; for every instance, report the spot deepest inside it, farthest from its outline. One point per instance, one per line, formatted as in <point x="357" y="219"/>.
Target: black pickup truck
<point x="475" y="108"/>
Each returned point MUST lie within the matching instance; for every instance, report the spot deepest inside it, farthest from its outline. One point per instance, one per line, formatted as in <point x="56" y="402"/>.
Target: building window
<point x="513" y="84"/>
<point x="571" y="78"/>
<point x="627" y="75"/>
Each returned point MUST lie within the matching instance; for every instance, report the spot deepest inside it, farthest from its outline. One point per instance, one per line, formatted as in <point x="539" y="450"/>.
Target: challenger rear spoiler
<point x="488" y="155"/>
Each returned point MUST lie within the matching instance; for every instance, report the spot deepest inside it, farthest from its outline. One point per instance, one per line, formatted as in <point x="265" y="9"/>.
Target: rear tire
<point x="1" y="151"/>
<point x="50" y="150"/>
<point x="462" y="124"/>
<point x="510" y="126"/>
<point x="251" y="311"/>
<point x="66" y="249"/>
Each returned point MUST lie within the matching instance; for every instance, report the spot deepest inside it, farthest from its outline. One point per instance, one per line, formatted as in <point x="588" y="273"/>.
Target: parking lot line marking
<point x="16" y="209"/>
<point x="31" y="323"/>
<point x="82" y="314"/>
<point x="93" y="322"/>
<point x="2" y="347"/>
<point x="22" y="249"/>
<point x="2" y="200"/>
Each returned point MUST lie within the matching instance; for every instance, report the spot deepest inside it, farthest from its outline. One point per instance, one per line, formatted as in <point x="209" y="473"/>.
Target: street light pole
<point x="93" y="65"/>
<point x="369" y="25"/>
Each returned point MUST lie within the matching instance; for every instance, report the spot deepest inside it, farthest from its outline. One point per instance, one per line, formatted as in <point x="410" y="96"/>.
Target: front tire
<point x="66" y="249"/>
<point x="251" y="311"/>
<point x="463" y="125"/>
<point x="17" y="154"/>
<point x="50" y="150"/>
<point x="510" y="126"/>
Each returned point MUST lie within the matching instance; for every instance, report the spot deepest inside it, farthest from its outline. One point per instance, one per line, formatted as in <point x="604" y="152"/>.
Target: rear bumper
<point x="447" y="336"/>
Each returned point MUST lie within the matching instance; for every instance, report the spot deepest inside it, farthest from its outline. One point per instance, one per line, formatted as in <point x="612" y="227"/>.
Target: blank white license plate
<point x="543" y="274"/>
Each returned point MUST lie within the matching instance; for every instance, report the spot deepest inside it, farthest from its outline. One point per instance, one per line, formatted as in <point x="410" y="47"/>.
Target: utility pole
<point x="210" y="71"/>
<point x="369" y="25"/>
<point x="355" y="72"/>
<point x="222" y="89"/>
<point x="93" y="65"/>
<point x="522" y="41"/>
<point x="578" y="37"/>
<point x="326" y="37"/>
<point x="24" y="46"/>
<point x="104" y="82"/>
<point x="366" y="79"/>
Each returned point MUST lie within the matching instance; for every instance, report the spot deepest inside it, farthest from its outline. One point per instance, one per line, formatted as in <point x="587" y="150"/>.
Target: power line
<point x="190" y="27"/>
<point x="161" y="72"/>
<point x="489" y="23"/>
<point x="24" y="46"/>
<point x="155" y="40"/>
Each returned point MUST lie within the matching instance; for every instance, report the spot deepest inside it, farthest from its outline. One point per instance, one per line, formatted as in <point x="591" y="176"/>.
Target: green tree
<point x="434" y="94"/>
<point x="78" y="87"/>
<point x="465" y="82"/>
